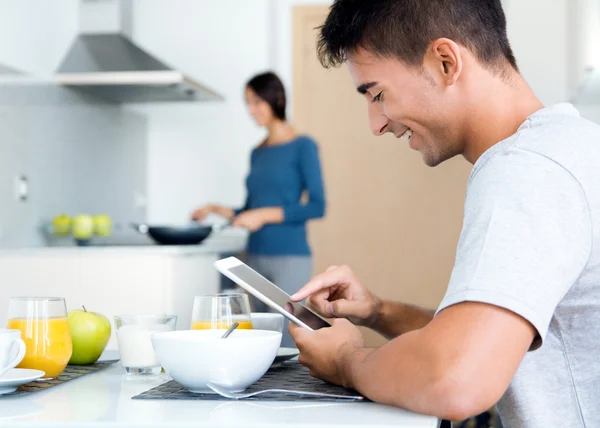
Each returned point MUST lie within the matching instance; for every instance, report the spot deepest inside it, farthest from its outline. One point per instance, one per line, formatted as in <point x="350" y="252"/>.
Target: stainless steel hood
<point x="108" y="64"/>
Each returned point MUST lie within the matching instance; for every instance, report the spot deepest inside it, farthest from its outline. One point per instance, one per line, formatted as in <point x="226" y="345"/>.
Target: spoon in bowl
<point x="230" y="330"/>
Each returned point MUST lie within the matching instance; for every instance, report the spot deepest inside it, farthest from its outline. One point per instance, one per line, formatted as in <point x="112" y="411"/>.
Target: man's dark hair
<point x="270" y="88"/>
<point x="405" y="28"/>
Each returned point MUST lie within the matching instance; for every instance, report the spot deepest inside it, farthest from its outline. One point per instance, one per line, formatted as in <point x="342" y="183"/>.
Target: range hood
<point x="105" y="62"/>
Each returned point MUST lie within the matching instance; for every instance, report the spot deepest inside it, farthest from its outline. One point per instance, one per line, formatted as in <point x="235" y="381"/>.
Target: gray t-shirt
<point x="531" y="244"/>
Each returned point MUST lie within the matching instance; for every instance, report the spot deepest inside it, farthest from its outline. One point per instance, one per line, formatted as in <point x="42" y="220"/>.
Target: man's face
<point x="407" y="100"/>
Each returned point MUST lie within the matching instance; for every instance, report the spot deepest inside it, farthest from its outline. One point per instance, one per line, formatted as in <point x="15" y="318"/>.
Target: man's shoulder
<point x="515" y="163"/>
<point x="563" y="149"/>
<point x="518" y="178"/>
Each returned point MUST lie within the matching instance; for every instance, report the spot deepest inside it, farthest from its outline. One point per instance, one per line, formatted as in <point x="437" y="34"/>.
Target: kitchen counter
<point x="104" y="400"/>
<point x="116" y="280"/>
<point x="213" y="247"/>
<point x="233" y="241"/>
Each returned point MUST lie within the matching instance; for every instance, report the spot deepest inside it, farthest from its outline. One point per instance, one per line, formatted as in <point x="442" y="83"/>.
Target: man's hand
<point x="324" y="351"/>
<point x="338" y="293"/>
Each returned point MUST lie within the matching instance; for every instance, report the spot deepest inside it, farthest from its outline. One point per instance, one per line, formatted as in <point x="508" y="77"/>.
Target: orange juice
<point x="48" y="343"/>
<point x="207" y="325"/>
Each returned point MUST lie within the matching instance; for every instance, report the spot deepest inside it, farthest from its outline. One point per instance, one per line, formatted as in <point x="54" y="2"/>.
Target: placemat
<point x="70" y="372"/>
<point x="288" y="375"/>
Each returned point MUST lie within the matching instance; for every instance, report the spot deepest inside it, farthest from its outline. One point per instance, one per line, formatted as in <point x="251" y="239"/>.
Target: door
<point x="393" y="220"/>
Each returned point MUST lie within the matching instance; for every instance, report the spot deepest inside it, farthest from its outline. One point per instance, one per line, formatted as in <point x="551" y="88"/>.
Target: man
<point x="520" y="322"/>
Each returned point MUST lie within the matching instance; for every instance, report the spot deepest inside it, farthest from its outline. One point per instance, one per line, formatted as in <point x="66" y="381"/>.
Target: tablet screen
<point x="278" y="296"/>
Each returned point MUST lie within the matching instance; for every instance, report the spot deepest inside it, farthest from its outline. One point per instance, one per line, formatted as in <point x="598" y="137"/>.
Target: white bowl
<point x="267" y="321"/>
<point x="195" y="357"/>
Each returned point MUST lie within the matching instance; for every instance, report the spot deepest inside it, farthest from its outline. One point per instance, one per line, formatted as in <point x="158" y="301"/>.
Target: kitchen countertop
<point x="211" y="245"/>
<point x="103" y="399"/>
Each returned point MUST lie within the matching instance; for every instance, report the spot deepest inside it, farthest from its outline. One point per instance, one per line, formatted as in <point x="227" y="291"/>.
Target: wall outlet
<point x="21" y="188"/>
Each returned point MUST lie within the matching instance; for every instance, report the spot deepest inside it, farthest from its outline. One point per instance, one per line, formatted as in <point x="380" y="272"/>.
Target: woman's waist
<point x="265" y="243"/>
<point x="291" y="229"/>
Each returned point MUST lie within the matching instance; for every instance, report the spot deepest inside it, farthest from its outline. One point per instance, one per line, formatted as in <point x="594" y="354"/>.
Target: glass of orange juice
<point x="219" y="311"/>
<point x="45" y="330"/>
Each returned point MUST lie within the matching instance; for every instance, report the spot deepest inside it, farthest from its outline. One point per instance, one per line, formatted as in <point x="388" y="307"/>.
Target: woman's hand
<point x="254" y="220"/>
<point x="200" y="214"/>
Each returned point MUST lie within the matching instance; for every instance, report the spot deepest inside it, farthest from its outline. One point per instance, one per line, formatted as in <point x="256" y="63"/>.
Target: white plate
<point x="284" y="354"/>
<point x="17" y="377"/>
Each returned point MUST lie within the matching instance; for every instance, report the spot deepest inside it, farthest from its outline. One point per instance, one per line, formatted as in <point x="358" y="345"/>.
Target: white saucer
<point x="284" y="354"/>
<point x="14" y="378"/>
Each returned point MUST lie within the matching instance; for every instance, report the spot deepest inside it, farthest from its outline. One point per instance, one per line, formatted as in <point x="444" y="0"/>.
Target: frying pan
<point x="192" y="234"/>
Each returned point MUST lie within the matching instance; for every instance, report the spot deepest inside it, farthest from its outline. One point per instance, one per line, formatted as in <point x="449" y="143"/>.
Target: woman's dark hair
<point x="269" y="88"/>
<point x="405" y="28"/>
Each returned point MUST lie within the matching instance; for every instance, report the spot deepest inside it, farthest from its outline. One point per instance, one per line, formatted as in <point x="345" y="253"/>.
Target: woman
<point x="283" y="168"/>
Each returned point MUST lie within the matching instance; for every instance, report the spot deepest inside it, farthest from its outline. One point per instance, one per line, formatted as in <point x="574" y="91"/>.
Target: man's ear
<point x="445" y="60"/>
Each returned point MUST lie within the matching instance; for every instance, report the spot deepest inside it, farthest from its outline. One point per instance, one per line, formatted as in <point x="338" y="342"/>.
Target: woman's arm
<point x="226" y="212"/>
<point x="297" y="212"/>
<point x="201" y="213"/>
<point x="310" y="167"/>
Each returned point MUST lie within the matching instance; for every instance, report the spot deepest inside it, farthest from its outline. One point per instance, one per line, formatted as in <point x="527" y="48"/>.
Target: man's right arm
<point x="394" y="319"/>
<point x="338" y="293"/>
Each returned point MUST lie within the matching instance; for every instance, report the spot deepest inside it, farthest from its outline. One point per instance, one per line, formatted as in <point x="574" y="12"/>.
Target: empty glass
<point x="135" y="345"/>
<point x="219" y="311"/>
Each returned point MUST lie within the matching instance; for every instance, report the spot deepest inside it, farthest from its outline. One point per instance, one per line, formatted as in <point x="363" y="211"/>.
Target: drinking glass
<point x="219" y="311"/>
<point x="45" y="330"/>
<point x="134" y="334"/>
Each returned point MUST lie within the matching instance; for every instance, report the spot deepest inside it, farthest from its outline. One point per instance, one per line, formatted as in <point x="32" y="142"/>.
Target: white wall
<point x="199" y="152"/>
<point x="34" y="34"/>
<point x="79" y="155"/>
<point x="590" y="112"/>
<point x="78" y="158"/>
<point x="282" y="41"/>
<point x="539" y="34"/>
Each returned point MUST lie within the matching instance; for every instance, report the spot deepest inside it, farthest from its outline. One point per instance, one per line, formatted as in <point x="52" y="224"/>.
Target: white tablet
<point x="267" y="292"/>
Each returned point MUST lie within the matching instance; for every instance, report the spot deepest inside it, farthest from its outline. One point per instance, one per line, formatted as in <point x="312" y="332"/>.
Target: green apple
<point x="61" y="225"/>
<point x="102" y="225"/>
<point x="83" y="227"/>
<point x="90" y="332"/>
